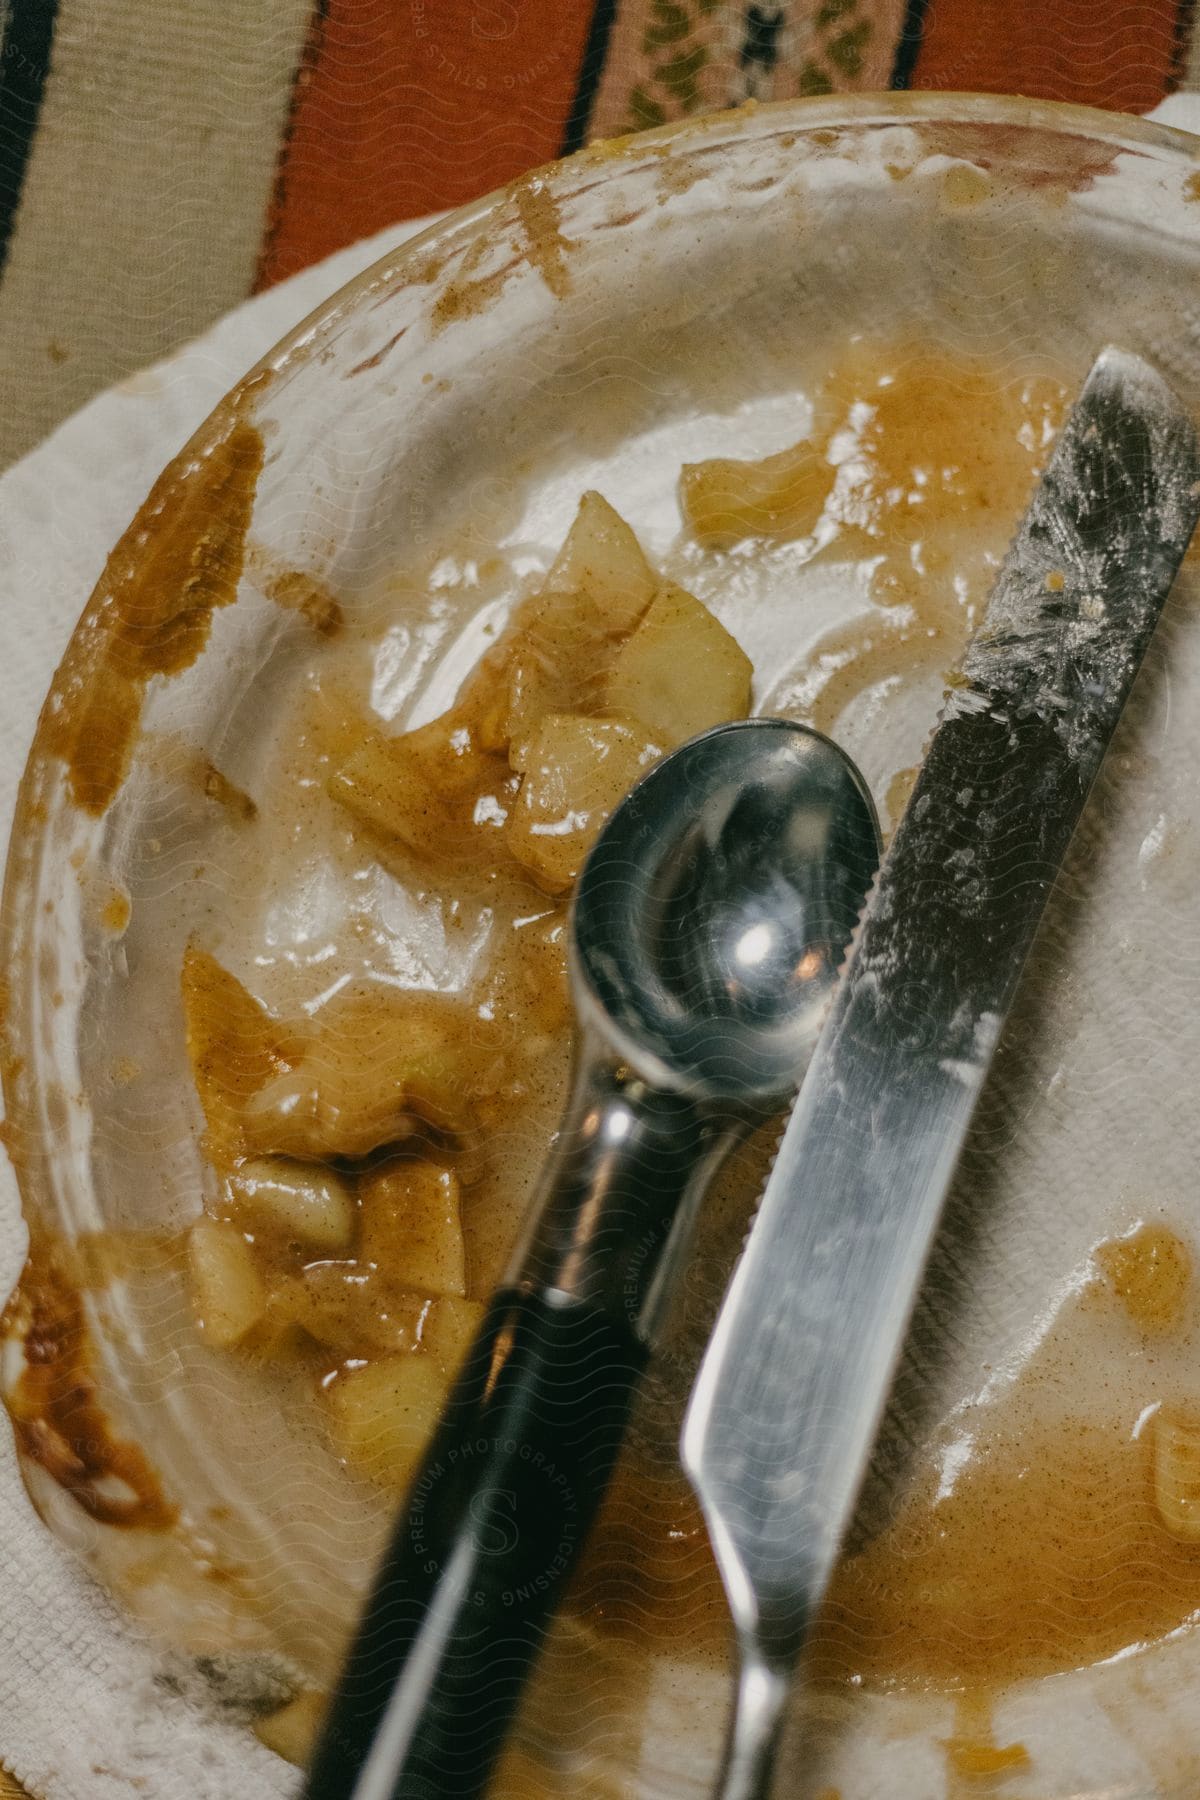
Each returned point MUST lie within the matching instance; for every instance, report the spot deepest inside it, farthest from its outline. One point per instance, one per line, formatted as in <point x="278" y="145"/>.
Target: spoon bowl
<point x="714" y="911"/>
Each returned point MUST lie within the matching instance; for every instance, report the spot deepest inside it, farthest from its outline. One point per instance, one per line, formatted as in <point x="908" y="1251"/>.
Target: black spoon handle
<point x="491" y="1529"/>
<point x="500" y="1507"/>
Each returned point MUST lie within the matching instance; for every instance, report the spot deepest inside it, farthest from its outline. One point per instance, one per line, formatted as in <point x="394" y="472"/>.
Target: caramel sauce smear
<point x="56" y="1412"/>
<point x="1039" y="1546"/>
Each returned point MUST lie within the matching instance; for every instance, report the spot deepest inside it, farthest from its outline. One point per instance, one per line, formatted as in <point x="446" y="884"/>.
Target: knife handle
<point x="481" y="1553"/>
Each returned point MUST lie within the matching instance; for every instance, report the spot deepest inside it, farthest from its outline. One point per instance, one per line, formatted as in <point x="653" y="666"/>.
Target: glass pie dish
<point x="360" y="518"/>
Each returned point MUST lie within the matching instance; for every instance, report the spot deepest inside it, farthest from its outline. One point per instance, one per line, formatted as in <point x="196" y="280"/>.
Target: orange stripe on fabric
<point x="1115" y="53"/>
<point x="414" y="105"/>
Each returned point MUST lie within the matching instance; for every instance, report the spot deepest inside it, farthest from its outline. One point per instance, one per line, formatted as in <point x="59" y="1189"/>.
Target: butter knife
<point x="793" y="1384"/>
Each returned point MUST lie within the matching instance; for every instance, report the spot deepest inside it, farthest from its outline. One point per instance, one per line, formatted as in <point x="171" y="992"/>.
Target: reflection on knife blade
<point x="792" y="1387"/>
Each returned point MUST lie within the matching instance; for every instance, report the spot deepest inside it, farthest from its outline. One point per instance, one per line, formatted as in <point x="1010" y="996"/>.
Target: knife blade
<point x="792" y="1387"/>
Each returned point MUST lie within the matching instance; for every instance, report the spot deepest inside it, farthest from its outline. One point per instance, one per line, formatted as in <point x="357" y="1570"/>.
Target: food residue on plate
<point x="356" y="1142"/>
<point x="972" y="1754"/>
<point x="54" y="1403"/>
<point x="362" y="1134"/>
<point x="376" y="1100"/>
<point x="180" y="561"/>
<point x="1043" y="1537"/>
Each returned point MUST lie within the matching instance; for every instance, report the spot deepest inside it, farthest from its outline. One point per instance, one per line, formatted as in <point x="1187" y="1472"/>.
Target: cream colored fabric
<point x="107" y="273"/>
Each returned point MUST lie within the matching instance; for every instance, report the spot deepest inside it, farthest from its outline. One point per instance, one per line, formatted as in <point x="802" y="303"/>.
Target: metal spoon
<point x="709" y="924"/>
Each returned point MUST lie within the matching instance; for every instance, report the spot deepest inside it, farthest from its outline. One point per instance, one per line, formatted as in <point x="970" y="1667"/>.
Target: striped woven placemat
<point x="157" y="163"/>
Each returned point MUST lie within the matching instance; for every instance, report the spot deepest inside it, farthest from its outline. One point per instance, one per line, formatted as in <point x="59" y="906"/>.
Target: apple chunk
<point x="602" y="558"/>
<point x="557" y="663"/>
<point x="680" y="671"/>
<point x="576" y="771"/>
<point x="449" y="1329"/>
<point x="378" y="1064"/>
<point x="381" y="1415"/>
<point x="781" y="496"/>
<point x="304" y="1201"/>
<point x="411" y="1226"/>
<point x="435" y="790"/>
<point x="228" y="1292"/>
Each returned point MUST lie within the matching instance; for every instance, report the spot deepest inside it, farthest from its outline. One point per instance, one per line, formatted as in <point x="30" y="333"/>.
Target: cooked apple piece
<point x="681" y="671"/>
<point x="448" y="1330"/>
<point x="436" y="790"/>
<point x="442" y="790"/>
<point x="381" y="1416"/>
<point x="562" y="642"/>
<point x="229" y="1295"/>
<point x="1177" y="1474"/>
<point x="411" y="1225"/>
<point x="576" y="772"/>
<point x="350" y="1306"/>
<point x="306" y="1201"/>
<point x="558" y="660"/>
<point x="602" y="558"/>
<point x="379" y="1064"/>
<point x="234" y="1045"/>
<point x="779" y="496"/>
<point x="292" y="1731"/>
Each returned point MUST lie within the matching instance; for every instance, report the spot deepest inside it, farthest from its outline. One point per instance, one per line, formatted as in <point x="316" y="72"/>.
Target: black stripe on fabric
<point x="24" y="71"/>
<point x="908" y="46"/>
<point x="590" y="71"/>
<point x="1185" y="25"/>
